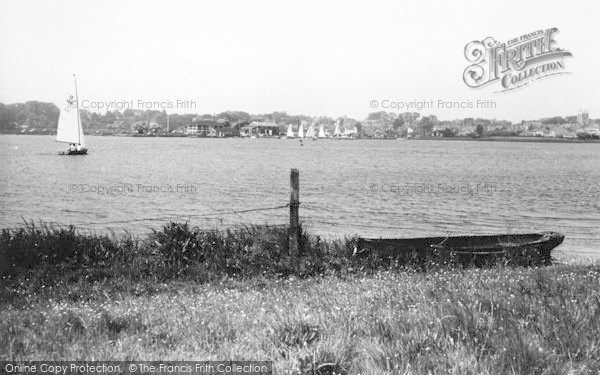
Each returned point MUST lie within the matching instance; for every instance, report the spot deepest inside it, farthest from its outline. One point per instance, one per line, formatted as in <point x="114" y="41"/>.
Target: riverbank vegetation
<point x="140" y="118"/>
<point x="183" y="293"/>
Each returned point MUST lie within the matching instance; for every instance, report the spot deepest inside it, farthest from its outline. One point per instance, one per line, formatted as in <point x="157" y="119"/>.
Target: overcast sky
<point x="304" y="57"/>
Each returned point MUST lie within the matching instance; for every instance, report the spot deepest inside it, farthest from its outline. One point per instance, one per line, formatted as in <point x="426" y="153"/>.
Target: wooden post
<point x="294" y="203"/>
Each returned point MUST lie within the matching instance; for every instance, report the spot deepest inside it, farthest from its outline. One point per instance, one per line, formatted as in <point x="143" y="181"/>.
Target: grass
<point x="42" y="260"/>
<point x="186" y="294"/>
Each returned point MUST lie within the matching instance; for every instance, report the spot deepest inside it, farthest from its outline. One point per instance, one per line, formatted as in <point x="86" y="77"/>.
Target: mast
<point x="77" y="103"/>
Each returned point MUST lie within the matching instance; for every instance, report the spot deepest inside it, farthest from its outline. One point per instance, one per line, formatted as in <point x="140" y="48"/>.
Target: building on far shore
<point x="466" y="130"/>
<point x="583" y="118"/>
<point x="211" y="128"/>
<point x="201" y="127"/>
<point x="260" y="129"/>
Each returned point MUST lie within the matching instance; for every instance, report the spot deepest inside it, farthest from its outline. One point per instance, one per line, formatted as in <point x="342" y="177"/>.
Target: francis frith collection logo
<point x="515" y="63"/>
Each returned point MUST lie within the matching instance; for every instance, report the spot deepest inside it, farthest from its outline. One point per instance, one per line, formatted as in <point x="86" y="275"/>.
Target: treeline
<point x="33" y="114"/>
<point x="40" y="117"/>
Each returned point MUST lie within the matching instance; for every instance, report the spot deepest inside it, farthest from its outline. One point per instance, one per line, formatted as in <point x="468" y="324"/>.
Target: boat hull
<point x="76" y="152"/>
<point x="531" y="248"/>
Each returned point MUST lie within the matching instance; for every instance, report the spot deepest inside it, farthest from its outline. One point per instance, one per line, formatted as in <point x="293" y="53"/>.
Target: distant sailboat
<point x="336" y="132"/>
<point x="321" y="132"/>
<point x="69" y="126"/>
<point x="290" y="132"/>
<point x="310" y="133"/>
<point x="300" y="132"/>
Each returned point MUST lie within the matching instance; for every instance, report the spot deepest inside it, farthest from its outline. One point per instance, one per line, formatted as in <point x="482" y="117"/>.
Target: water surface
<point x="371" y="188"/>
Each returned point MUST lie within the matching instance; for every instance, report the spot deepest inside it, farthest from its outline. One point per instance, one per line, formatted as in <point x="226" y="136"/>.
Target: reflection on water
<point x="371" y="188"/>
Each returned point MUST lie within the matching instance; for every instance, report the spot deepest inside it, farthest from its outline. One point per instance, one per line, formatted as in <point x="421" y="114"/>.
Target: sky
<point x="329" y="58"/>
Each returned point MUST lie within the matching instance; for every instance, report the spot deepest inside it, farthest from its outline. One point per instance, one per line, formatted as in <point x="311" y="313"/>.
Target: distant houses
<point x="211" y="128"/>
<point x="260" y="129"/>
<point x="583" y="118"/>
<point x="41" y="118"/>
<point x="351" y="132"/>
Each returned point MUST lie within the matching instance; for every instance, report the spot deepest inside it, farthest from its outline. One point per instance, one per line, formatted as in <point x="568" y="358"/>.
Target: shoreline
<point x="427" y="138"/>
<point x="510" y="139"/>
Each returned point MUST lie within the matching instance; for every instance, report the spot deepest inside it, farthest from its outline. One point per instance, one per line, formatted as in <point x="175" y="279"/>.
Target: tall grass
<point x="41" y="258"/>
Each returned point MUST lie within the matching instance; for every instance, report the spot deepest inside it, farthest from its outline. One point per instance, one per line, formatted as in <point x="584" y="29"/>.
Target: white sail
<point x="336" y="132"/>
<point x="300" y="132"/>
<point x="321" y="132"/>
<point x="290" y="132"/>
<point x="310" y="133"/>
<point x="69" y="124"/>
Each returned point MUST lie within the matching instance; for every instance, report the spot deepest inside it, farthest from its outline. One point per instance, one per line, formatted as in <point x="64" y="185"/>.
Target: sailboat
<point x="321" y="132"/>
<point x="300" y="131"/>
<point x="336" y="132"/>
<point x="290" y="132"/>
<point x="310" y="133"/>
<point x="69" y="126"/>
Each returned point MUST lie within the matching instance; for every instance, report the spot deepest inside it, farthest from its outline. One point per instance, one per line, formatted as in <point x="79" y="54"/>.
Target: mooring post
<point x="294" y="205"/>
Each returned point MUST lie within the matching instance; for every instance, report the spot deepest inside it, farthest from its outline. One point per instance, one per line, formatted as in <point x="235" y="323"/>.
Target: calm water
<point x="370" y="188"/>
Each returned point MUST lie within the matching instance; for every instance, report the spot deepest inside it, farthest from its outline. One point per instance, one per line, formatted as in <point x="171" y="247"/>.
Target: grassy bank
<point x="184" y="294"/>
<point x="45" y="261"/>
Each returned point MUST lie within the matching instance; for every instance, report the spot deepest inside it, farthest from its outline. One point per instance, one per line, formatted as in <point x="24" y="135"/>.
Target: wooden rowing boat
<point x="534" y="248"/>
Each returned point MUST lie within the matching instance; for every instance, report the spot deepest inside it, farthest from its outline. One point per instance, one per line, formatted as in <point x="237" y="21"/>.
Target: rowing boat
<point x="533" y="247"/>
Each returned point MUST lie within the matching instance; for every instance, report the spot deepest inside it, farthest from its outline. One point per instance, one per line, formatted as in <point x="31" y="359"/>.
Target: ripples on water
<point x="371" y="188"/>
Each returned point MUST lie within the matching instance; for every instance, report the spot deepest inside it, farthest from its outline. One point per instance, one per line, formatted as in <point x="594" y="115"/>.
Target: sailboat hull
<point x="80" y="152"/>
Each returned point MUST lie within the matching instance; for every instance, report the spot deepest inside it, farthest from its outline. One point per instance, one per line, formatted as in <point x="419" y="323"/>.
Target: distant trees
<point x="7" y="119"/>
<point x="32" y="114"/>
<point x="359" y="129"/>
<point x="133" y="120"/>
<point x="141" y="127"/>
<point x="501" y="133"/>
<point x="571" y="119"/>
<point x="277" y="117"/>
<point x="155" y="128"/>
<point x="234" y="116"/>
<point x="389" y="133"/>
<point x="240" y="124"/>
<point x="179" y="121"/>
<point x="43" y="117"/>
<point x="145" y="127"/>
<point x="585" y="135"/>
<point x="378" y="116"/>
<point x="557" y="120"/>
<point x="479" y="130"/>
<point x="426" y="124"/>
<point x="398" y="123"/>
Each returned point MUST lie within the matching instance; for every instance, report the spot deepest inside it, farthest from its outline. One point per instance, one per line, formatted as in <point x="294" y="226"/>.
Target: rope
<point x="164" y="218"/>
<point x="211" y="215"/>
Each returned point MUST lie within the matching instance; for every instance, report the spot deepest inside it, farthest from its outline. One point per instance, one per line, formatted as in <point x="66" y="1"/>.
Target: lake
<point x="376" y="188"/>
